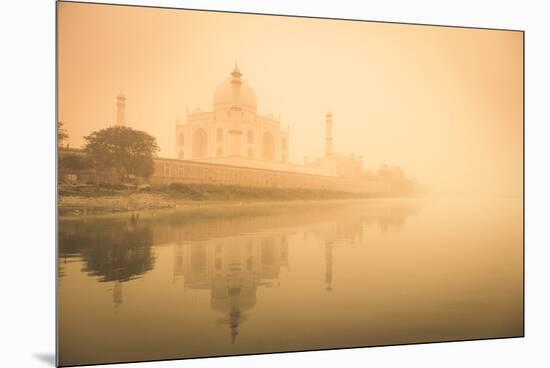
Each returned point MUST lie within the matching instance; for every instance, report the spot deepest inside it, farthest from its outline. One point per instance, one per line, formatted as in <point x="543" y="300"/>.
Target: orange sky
<point x="443" y="103"/>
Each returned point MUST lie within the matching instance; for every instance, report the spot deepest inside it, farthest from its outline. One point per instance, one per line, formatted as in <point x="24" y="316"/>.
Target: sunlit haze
<point x="445" y="104"/>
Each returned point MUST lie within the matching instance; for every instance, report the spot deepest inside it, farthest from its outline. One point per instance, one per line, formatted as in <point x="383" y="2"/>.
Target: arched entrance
<point x="268" y="147"/>
<point x="200" y="144"/>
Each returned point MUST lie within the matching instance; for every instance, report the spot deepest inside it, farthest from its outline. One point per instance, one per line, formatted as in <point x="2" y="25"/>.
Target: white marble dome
<point x="223" y="97"/>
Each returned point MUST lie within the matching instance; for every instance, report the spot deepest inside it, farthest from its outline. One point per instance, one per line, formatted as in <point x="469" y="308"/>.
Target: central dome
<point x="223" y="97"/>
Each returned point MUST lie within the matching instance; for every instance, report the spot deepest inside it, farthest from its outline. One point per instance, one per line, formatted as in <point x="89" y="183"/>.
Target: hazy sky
<point x="445" y="104"/>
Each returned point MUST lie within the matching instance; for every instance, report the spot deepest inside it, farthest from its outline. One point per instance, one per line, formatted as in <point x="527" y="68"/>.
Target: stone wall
<point x="182" y="171"/>
<point x="168" y="171"/>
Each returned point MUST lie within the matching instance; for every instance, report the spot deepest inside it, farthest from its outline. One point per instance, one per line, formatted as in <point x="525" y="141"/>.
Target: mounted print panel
<point x="234" y="183"/>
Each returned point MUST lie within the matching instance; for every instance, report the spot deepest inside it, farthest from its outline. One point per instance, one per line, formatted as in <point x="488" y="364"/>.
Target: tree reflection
<point x="111" y="250"/>
<point x="119" y="255"/>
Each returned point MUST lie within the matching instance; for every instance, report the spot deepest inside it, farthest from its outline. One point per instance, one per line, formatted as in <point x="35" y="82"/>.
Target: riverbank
<point x="81" y="200"/>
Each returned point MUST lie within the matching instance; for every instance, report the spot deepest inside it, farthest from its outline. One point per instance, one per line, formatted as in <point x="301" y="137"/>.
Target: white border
<point x="28" y="186"/>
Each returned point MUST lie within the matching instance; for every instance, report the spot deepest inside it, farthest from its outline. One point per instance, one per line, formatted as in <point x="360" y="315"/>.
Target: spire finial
<point x="236" y="73"/>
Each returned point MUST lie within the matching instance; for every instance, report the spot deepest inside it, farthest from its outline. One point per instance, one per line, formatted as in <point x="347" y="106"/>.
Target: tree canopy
<point x="125" y="150"/>
<point x="75" y="162"/>
<point x="62" y="134"/>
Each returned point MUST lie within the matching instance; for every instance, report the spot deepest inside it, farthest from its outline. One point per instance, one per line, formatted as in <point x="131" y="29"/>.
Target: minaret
<point x="120" y="107"/>
<point x="328" y="134"/>
<point x="235" y="131"/>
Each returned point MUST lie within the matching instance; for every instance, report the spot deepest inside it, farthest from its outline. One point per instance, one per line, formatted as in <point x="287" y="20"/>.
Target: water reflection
<point x="228" y="252"/>
<point x="111" y="251"/>
<point x="231" y="269"/>
<point x="328" y="272"/>
<point x="255" y="272"/>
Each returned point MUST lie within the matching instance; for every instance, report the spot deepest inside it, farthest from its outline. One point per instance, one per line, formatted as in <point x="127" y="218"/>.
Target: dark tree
<point x="125" y="150"/>
<point x="75" y="162"/>
<point x="62" y="134"/>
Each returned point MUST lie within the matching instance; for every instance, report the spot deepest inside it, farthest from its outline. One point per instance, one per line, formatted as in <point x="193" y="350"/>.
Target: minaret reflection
<point x="232" y="269"/>
<point x="178" y="260"/>
<point x="337" y="234"/>
<point x="350" y="231"/>
<point x="117" y="293"/>
<point x="328" y="267"/>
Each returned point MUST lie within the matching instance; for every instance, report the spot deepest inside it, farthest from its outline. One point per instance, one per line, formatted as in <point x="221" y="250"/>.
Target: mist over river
<point x="286" y="277"/>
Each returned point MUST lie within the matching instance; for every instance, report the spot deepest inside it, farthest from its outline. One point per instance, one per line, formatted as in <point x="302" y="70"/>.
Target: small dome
<point x="223" y="97"/>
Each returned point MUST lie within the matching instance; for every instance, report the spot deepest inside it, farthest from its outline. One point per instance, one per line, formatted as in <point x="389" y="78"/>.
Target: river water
<point x="289" y="277"/>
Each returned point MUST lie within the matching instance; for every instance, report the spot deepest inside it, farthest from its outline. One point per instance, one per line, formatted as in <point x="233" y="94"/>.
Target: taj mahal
<point x="235" y="145"/>
<point x="234" y="133"/>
